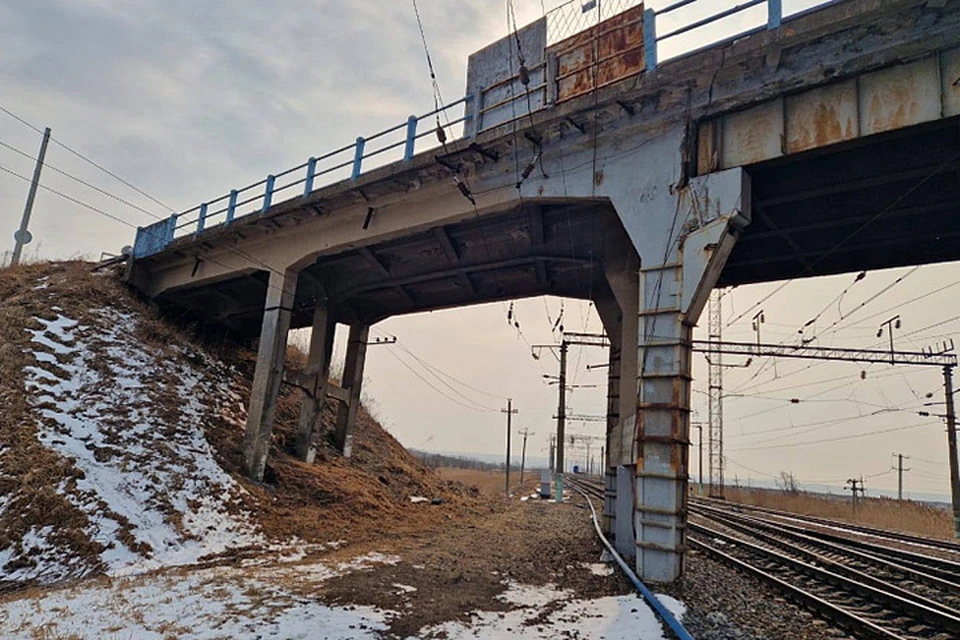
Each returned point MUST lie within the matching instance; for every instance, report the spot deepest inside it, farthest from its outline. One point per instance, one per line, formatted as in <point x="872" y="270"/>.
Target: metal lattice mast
<point x="715" y="381"/>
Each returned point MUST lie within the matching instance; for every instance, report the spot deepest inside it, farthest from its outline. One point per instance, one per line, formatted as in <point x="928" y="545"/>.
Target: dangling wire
<point x="523" y="74"/>
<point x="437" y="94"/>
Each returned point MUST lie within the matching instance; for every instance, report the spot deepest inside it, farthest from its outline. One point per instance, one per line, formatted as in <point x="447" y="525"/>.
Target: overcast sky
<point x="187" y="100"/>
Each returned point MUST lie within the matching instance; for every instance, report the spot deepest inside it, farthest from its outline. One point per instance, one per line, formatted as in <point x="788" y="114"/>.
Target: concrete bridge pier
<point x="313" y="381"/>
<point x="678" y="272"/>
<point x="352" y="384"/>
<point x="278" y="309"/>
<point x="620" y="321"/>
<point x="317" y="372"/>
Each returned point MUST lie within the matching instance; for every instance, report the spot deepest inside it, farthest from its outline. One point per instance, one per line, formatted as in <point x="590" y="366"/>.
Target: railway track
<point x="868" y="593"/>
<point x="904" y="538"/>
<point x="593" y="488"/>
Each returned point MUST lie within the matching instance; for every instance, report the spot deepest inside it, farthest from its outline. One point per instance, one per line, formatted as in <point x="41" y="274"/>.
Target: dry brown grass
<point x="355" y="499"/>
<point x="885" y="513"/>
<point x="29" y="472"/>
<point x="490" y="482"/>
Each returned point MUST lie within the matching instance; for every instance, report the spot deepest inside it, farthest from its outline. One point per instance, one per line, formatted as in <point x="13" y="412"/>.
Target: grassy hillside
<point x="121" y="443"/>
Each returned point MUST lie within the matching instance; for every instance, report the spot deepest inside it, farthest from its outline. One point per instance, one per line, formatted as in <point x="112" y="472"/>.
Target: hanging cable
<point x="437" y="94"/>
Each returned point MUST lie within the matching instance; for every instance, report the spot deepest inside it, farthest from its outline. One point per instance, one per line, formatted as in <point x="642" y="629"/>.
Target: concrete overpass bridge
<point x="588" y="167"/>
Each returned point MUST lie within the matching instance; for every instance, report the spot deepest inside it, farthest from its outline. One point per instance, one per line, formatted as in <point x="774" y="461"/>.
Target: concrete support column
<point x="352" y="382"/>
<point x="612" y="317"/>
<point x="622" y="276"/>
<point x="683" y="231"/>
<point x="269" y="371"/>
<point x="663" y="425"/>
<point x="317" y="374"/>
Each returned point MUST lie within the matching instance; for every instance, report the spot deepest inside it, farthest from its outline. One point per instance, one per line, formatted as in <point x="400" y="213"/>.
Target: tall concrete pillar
<point x="317" y="376"/>
<point x="622" y="274"/>
<point x="683" y="235"/>
<point x="269" y="371"/>
<point x="352" y="382"/>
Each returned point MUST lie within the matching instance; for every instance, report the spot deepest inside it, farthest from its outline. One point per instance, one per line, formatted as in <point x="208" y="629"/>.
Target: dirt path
<point x="446" y="576"/>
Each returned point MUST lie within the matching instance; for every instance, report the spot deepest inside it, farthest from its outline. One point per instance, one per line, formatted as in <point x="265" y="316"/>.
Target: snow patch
<point x="131" y="419"/>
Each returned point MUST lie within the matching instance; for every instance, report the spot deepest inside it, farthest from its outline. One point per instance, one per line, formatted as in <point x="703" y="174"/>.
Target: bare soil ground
<point x="465" y="565"/>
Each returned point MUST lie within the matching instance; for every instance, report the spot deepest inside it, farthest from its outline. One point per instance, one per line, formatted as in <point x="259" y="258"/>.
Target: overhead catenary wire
<point x="452" y="399"/>
<point x="810" y="267"/>
<point x="88" y="160"/>
<point x="104" y="192"/>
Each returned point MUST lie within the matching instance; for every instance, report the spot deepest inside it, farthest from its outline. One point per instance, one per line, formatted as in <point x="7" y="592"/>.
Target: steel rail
<point x="948" y="545"/>
<point x="800" y="544"/>
<point x="890" y="601"/>
<point x="845" y="618"/>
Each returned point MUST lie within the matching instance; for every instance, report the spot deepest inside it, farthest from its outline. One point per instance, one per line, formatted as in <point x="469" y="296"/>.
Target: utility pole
<point x="553" y="446"/>
<point x="890" y="324"/>
<point x="699" y="427"/>
<point x="900" y="471"/>
<point x="509" y="411"/>
<point x="715" y="393"/>
<point x="22" y="236"/>
<point x="856" y="486"/>
<point x="561" y="418"/>
<point x="952" y="441"/>
<point x="579" y="339"/>
<point x="523" y="455"/>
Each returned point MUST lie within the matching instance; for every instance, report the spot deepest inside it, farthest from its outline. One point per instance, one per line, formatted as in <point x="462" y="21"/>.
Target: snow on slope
<point x="130" y="418"/>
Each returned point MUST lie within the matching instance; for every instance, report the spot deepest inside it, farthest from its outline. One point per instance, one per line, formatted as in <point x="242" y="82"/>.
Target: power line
<point x="809" y="268"/>
<point x="437" y="370"/>
<point x="81" y="181"/>
<point x="429" y="384"/>
<point x="837" y="439"/>
<point x="88" y="160"/>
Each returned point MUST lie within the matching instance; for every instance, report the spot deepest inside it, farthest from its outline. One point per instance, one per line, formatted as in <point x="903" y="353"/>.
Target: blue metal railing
<point x="653" y="37"/>
<point x="348" y="161"/>
<point x="306" y="177"/>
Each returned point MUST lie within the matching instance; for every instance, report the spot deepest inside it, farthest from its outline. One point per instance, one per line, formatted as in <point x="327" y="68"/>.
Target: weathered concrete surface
<point x="635" y="146"/>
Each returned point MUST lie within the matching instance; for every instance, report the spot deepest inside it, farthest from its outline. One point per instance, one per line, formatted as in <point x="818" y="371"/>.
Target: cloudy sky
<point x="186" y="100"/>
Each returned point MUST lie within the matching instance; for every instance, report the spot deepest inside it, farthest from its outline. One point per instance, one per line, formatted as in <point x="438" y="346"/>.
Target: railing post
<point x="650" y="39"/>
<point x="411" y="137"/>
<point x="358" y="157"/>
<point x="311" y="174"/>
<point x="232" y="206"/>
<point x="171" y="230"/>
<point x="202" y="219"/>
<point x="268" y="192"/>
<point x="774" y="13"/>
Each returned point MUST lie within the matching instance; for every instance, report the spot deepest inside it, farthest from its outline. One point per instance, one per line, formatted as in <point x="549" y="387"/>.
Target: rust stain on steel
<point x="753" y="135"/>
<point x="822" y="117"/>
<point x="900" y="97"/>
<point x="601" y="55"/>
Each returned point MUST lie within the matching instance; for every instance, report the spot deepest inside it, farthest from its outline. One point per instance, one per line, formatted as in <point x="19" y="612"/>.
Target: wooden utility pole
<point x="22" y="236"/>
<point x="523" y="452"/>
<point x="509" y="411"/>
